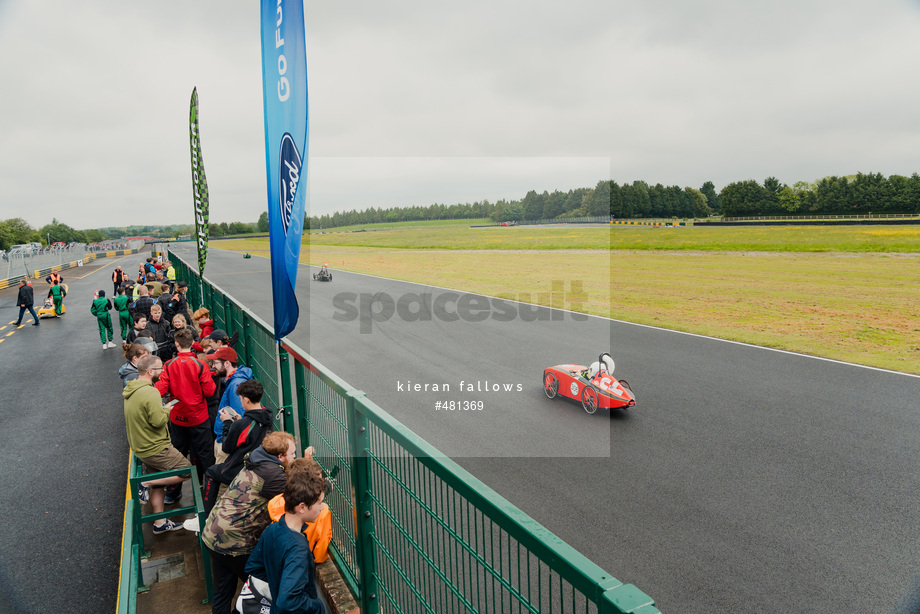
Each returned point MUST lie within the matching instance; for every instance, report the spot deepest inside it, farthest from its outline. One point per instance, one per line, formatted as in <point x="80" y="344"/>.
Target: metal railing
<point x="412" y="530"/>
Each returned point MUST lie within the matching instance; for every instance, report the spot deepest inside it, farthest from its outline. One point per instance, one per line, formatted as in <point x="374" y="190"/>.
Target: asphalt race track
<point x="64" y="456"/>
<point x="745" y="480"/>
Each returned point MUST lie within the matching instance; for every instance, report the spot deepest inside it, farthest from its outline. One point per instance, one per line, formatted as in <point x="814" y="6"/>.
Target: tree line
<point x="846" y="195"/>
<point x="858" y="194"/>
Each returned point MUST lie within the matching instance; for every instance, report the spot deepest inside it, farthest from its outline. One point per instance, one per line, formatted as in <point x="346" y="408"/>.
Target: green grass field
<point x="847" y="293"/>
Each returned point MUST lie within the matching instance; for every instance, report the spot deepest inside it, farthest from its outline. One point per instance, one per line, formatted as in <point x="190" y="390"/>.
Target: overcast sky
<point x="416" y="102"/>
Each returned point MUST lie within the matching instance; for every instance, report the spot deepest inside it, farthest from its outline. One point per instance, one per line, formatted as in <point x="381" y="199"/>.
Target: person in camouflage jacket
<point x="234" y="526"/>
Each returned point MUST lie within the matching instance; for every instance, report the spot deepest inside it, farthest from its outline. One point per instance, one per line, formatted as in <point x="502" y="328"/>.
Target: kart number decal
<point x="574" y="389"/>
<point x="606" y="383"/>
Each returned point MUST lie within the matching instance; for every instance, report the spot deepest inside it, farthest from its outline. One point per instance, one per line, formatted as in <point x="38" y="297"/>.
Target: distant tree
<point x="699" y="204"/>
<point x="94" y="236"/>
<point x="533" y="205"/>
<point x="513" y="212"/>
<point x="554" y="205"/>
<point x="15" y="231"/>
<point x="597" y="201"/>
<point x="789" y="200"/>
<point x="263" y="222"/>
<point x="712" y="198"/>
<point x="742" y="198"/>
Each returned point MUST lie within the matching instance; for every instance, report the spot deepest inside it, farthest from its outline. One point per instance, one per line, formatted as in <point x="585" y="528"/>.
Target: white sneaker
<point x="105" y="346"/>
<point x="191" y="525"/>
<point x="111" y="344"/>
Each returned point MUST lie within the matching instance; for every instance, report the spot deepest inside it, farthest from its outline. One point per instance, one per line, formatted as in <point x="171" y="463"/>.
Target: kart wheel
<point x="550" y="386"/>
<point x="625" y="384"/>
<point x="589" y="399"/>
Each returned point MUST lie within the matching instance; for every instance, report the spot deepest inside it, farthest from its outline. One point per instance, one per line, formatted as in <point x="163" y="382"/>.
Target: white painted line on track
<point x="667" y="330"/>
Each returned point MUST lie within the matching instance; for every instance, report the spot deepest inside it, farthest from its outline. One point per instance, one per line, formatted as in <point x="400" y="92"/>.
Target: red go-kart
<point x="593" y="386"/>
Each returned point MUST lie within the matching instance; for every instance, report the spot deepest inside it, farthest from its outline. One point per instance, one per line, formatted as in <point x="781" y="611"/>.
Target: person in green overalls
<point x="124" y="316"/>
<point x="100" y="308"/>
<point x="57" y="294"/>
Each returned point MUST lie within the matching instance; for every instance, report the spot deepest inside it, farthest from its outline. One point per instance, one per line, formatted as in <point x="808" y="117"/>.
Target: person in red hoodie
<point x="202" y="317"/>
<point x="187" y="380"/>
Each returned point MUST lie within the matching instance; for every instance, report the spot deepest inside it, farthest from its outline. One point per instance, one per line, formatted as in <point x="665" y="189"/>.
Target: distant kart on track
<point x="323" y="275"/>
<point x="593" y="386"/>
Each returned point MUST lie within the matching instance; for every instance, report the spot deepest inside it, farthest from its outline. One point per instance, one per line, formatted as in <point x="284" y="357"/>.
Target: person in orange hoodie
<point x="319" y="532"/>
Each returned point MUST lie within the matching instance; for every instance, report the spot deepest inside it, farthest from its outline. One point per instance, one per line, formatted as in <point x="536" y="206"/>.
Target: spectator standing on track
<point x="100" y="308"/>
<point x="133" y="353"/>
<point x="26" y="301"/>
<point x="124" y="315"/>
<point x="187" y="379"/>
<point x="57" y="293"/>
<point x="241" y="435"/>
<point x="159" y="328"/>
<point x="234" y="525"/>
<point x="146" y="423"/>
<point x="118" y="278"/>
<point x="143" y="302"/>
<point x="282" y="559"/>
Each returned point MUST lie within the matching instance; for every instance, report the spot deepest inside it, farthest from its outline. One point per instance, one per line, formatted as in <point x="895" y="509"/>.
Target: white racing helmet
<point x="604" y="364"/>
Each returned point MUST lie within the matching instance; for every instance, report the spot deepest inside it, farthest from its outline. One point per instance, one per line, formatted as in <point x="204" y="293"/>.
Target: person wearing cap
<point x="118" y="277"/>
<point x="178" y="303"/>
<point x="224" y="363"/>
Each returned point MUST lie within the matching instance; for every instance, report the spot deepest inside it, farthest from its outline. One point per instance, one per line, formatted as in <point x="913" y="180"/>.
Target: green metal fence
<point x="412" y="530"/>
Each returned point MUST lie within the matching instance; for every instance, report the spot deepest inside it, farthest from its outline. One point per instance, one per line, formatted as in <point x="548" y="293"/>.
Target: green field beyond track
<point x="848" y="293"/>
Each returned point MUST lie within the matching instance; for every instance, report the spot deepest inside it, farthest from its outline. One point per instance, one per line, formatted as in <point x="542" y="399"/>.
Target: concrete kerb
<point x="335" y="590"/>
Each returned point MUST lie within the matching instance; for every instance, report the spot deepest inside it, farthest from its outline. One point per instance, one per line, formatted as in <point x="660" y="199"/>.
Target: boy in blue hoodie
<point x="281" y="566"/>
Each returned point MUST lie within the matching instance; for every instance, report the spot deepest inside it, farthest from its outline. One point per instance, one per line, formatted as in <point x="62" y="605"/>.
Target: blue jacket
<point x="282" y="558"/>
<point x="231" y="398"/>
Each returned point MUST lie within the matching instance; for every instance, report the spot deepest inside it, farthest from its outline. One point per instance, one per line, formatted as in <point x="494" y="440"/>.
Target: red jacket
<point x="207" y="327"/>
<point x="186" y="378"/>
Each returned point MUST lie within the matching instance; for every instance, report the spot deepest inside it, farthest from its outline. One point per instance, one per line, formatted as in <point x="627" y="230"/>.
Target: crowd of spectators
<point x="189" y="402"/>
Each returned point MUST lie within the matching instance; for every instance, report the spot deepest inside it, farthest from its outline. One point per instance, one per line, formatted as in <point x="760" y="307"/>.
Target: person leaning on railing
<point x="240" y="516"/>
<point x="281" y="567"/>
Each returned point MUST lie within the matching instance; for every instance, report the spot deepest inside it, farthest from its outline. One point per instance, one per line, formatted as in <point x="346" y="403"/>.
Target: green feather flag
<point x="199" y="185"/>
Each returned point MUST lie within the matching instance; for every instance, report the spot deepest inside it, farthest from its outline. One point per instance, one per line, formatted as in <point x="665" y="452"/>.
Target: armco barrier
<point x="412" y="530"/>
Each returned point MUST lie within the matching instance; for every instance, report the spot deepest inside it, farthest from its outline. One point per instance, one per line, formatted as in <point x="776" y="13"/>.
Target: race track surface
<point x="64" y="456"/>
<point x="745" y="480"/>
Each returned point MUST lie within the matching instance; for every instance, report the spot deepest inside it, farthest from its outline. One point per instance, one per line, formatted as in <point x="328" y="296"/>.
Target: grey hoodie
<point x="127" y="372"/>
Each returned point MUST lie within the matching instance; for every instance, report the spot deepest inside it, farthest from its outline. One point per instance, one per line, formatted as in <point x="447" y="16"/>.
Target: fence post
<point x="287" y="401"/>
<point x="367" y="551"/>
<point x="303" y="405"/>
